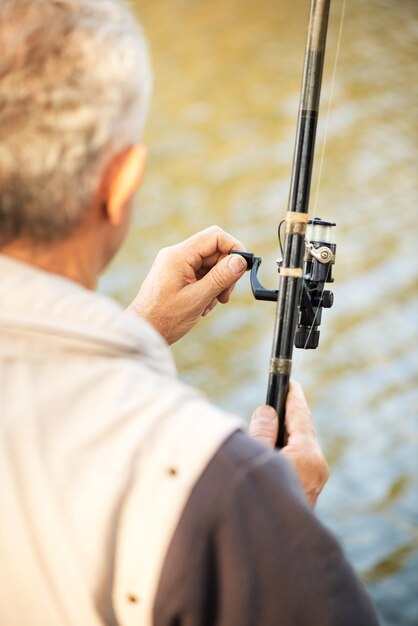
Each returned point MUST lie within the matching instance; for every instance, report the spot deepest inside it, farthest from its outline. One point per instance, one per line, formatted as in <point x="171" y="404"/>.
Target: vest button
<point x="132" y="598"/>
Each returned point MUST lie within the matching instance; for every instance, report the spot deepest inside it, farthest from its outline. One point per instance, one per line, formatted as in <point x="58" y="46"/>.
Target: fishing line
<point x="317" y="311"/>
<point x="331" y="96"/>
<point x="302" y="355"/>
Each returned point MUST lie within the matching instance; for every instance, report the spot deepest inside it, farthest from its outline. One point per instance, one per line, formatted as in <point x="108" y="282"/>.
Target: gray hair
<point x="75" y="81"/>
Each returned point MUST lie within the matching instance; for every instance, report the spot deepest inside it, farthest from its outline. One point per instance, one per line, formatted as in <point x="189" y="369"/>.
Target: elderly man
<point x="126" y="497"/>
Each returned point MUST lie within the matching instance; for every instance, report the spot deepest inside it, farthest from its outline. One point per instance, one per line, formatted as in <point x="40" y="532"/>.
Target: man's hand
<point x="302" y="448"/>
<point x="187" y="280"/>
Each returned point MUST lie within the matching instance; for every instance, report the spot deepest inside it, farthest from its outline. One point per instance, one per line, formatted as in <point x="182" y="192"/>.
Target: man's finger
<point x="221" y="277"/>
<point x="264" y="425"/>
<point x="212" y="241"/>
<point x="298" y="416"/>
<point x="223" y="297"/>
<point x="210" y="307"/>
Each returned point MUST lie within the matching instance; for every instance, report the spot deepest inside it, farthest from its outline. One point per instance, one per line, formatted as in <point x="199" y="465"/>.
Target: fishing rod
<point x="308" y="252"/>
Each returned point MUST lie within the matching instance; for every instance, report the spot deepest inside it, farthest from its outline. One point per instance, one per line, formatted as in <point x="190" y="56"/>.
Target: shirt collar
<point x="32" y="299"/>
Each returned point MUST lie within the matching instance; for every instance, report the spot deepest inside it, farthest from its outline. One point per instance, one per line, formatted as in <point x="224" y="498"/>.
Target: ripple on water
<point x="221" y="138"/>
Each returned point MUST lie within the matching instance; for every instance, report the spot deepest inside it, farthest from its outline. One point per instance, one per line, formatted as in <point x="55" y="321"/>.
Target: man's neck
<point x="73" y="258"/>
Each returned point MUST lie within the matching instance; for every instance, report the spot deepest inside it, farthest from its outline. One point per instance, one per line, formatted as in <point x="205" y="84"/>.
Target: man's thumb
<point x="264" y="425"/>
<point x="221" y="277"/>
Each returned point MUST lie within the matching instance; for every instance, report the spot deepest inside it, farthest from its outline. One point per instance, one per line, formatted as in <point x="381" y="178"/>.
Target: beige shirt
<point x="100" y="447"/>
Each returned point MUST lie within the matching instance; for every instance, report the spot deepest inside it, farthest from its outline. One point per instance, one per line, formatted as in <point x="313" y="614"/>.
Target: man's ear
<point x="124" y="179"/>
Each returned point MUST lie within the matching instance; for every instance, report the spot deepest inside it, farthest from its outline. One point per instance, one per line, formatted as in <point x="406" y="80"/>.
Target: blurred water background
<point x="221" y="136"/>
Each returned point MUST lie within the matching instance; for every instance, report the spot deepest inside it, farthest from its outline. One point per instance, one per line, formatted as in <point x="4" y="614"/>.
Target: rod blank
<point x="294" y="247"/>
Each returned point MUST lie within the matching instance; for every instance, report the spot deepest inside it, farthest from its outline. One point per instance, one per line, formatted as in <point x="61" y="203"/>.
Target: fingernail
<point x="265" y="413"/>
<point x="237" y="263"/>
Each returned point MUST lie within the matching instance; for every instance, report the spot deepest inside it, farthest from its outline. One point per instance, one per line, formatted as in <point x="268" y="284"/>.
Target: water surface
<point x="221" y="136"/>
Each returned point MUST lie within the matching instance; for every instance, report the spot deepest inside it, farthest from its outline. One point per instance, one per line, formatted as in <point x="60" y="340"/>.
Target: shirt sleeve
<point x="249" y="551"/>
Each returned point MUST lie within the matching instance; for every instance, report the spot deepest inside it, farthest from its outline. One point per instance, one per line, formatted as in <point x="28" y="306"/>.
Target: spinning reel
<point x="317" y="271"/>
